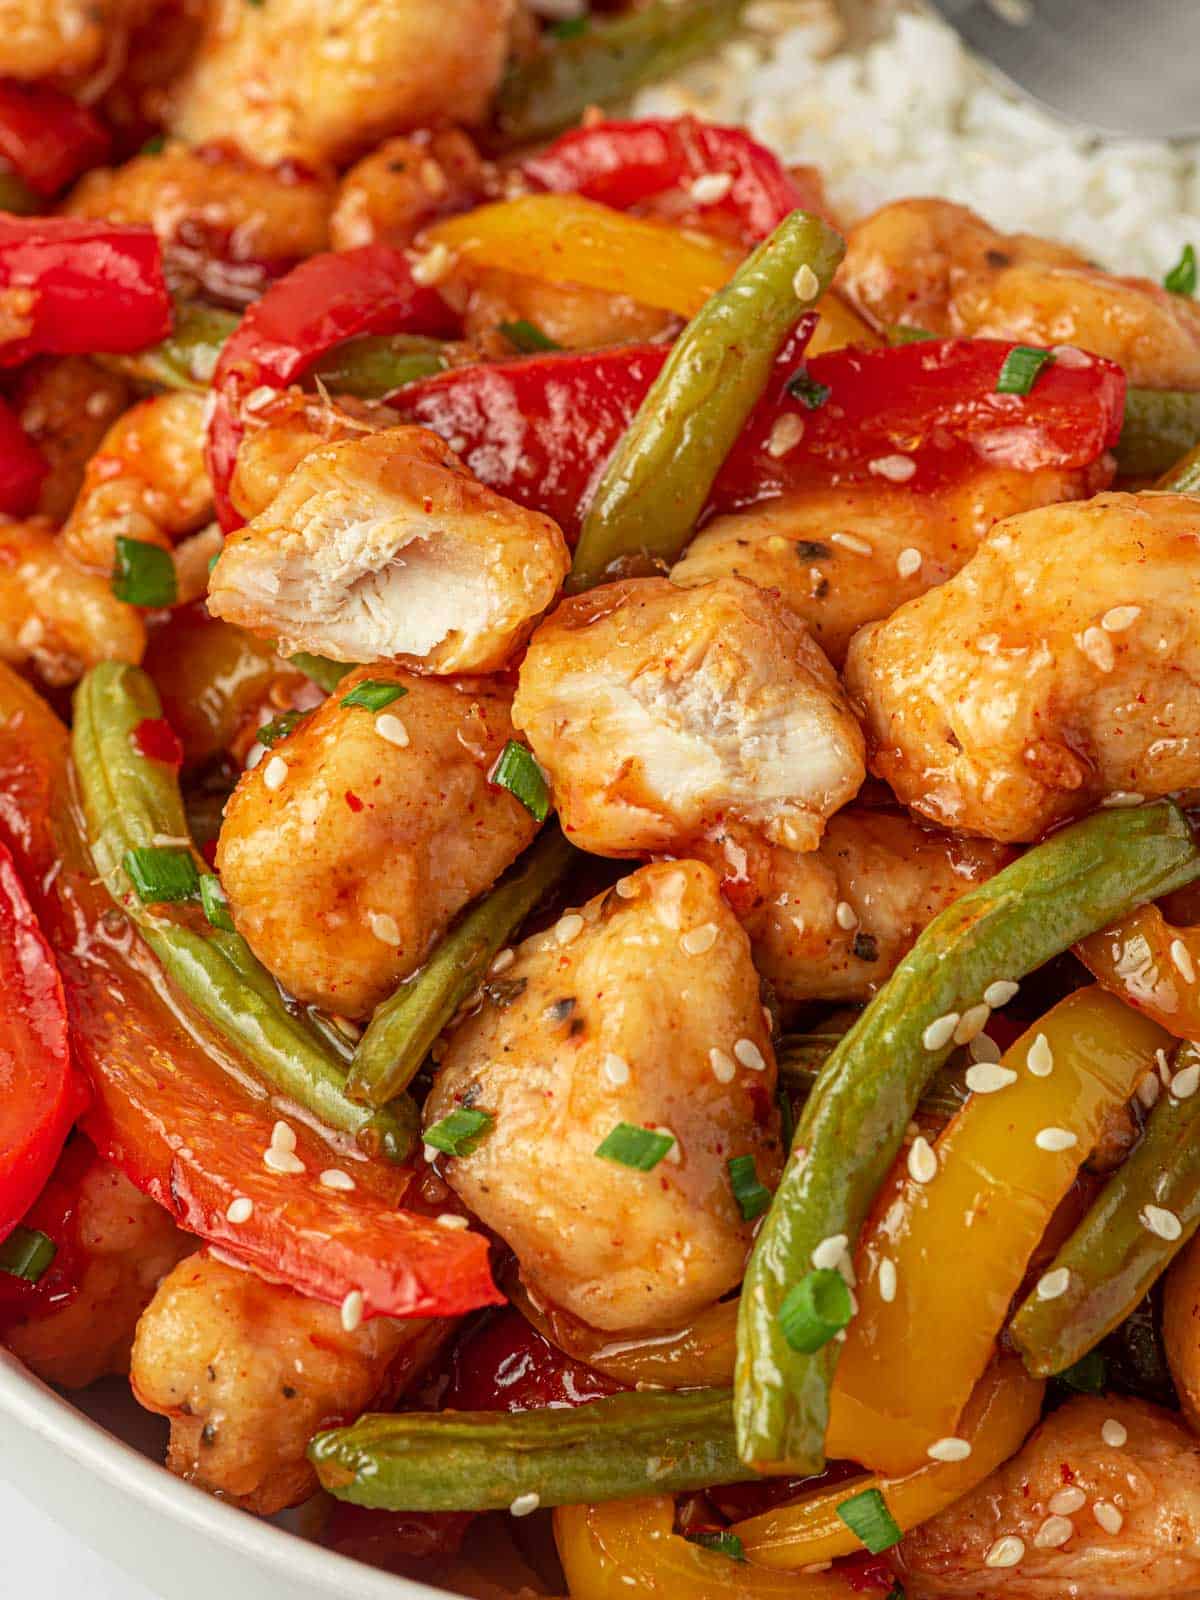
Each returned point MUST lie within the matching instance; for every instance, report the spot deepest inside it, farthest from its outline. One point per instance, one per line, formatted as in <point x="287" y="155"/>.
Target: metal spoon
<point x="1123" y="68"/>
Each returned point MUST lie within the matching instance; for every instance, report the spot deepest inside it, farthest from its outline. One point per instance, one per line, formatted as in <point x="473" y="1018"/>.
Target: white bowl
<point x="91" y="1467"/>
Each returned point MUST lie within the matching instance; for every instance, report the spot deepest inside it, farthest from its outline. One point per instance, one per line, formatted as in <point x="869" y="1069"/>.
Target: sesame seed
<point x="1123" y="797"/>
<point x="986" y="1077"/>
<point x="722" y="1066"/>
<point x="697" y="940"/>
<point x="524" y="1504"/>
<point x="806" y="283"/>
<point x="282" y="1161"/>
<point x="385" y="928"/>
<point x="829" y="1252"/>
<point x="432" y="266"/>
<point x="1055" y="1139"/>
<point x="240" y="1210"/>
<point x="845" y="916"/>
<point x="922" y="1162"/>
<point x="1181" y="957"/>
<point x="848" y="541"/>
<point x="750" y="1055"/>
<point x="710" y="187"/>
<point x="1164" y="1067"/>
<point x="1185" y="1082"/>
<point x="626" y="887"/>
<point x="1040" y="1058"/>
<point x="1158" y="1220"/>
<point x="908" y="562"/>
<point x="254" y="755"/>
<point x="283" y="1136"/>
<point x="615" y="1069"/>
<point x="1054" y="1283"/>
<point x="972" y="1022"/>
<point x="568" y="927"/>
<point x="999" y="993"/>
<point x="451" y="1221"/>
<point x="1107" y="1515"/>
<point x="1114" y="1433"/>
<point x="502" y="961"/>
<point x="949" y="1449"/>
<point x="1006" y="1552"/>
<point x="257" y="398"/>
<point x="335" y="1178"/>
<point x="1149" y="1090"/>
<point x="785" y="435"/>
<point x="1055" y="1531"/>
<point x="887" y="1280"/>
<point x="1120" y="618"/>
<point x="983" y="1048"/>
<point x="389" y="726"/>
<point x="431" y="1153"/>
<point x="275" y="773"/>
<point x="896" y="469"/>
<point x="352" y="1310"/>
<point x="1097" y="647"/>
<point x="1067" y="1500"/>
<point x="940" y="1031"/>
<point x="1070" y="355"/>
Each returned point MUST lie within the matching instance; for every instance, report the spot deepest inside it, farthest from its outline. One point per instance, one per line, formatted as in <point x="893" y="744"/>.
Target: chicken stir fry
<point x="599" y="944"/>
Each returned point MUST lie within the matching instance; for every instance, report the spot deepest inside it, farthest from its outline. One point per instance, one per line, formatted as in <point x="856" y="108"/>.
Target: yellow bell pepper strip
<point x="854" y="1122"/>
<point x="1138" y="1224"/>
<point x="621" y="1549"/>
<point x="1005" y="1404"/>
<point x="562" y="238"/>
<point x="839" y="326"/>
<point x="1152" y="965"/>
<point x="950" y="1241"/>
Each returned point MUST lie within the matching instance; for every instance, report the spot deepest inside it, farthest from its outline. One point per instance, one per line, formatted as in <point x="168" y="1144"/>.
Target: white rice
<point x="913" y="113"/>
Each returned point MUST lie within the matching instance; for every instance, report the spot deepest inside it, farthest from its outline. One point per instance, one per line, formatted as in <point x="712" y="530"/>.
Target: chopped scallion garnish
<point x="26" y="1253"/>
<point x="723" y="1543"/>
<point x="279" y="727"/>
<point x="373" y="694"/>
<point x="459" y="1133"/>
<point x="1182" y="277"/>
<point x="804" y="387"/>
<point x="518" y="772"/>
<point x="639" y="1148"/>
<point x="143" y="574"/>
<point x="752" y="1197"/>
<point x="1021" y="367"/>
<point x="902" y="333"/>
<point x="815" y="1309"/>
<point x="162" y="873"/>
<point x="867" y="1515"/>
<point x="216" y="906"/>
<point x="527" y="337"/>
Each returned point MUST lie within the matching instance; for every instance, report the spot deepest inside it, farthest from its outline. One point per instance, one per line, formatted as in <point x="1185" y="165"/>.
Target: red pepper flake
<point x="156" y="739"/>
<point x="353" y="801"/>
<point x="209" y="851"/>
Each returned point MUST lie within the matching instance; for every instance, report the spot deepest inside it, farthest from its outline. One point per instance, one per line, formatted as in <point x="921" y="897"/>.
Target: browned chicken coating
<point x="353" y="843"/>
<point x="405" y="184"/>
<point x="126" y="1243"/>
<point x="844" y="557"/>
<point x="659" y="713"/>
<point x="248" y="1371"/>
<point x="66" y="404"/>
<point x="642" y="1007"/>
<point x="935" y="265"/>
<point x="321" y="80"/>
<point x="385" y="548"/>
<point x="574" y="317"/>
<point x="1016" y="694"/>
<point x="1102" y="1503"/>
<point x="286" y="427"/>
<point x="57" y="38"/>
<point x="832" y="924"/>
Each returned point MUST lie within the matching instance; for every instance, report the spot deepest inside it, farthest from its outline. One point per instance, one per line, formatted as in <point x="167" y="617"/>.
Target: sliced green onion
<point x="639" y="1148"/>
<point x="216" y="906"/>
<point x="752" y="1197"/>
<point x="162" y="873"/>
<point x="802" y="386"/>
<point x="143" y="574"/>
<point x="896" y="1592"/>
<point x="815" y="1309"/>
<point x="279" y="727"/>
<point x="528" y="337"/>
<point x="374" y="693"/>
<point x="26" y="1253"/>
<point x="325" y="674"/>
<point x="867" y="1515"/>
<point x="518" y="772"/>
<point x="153" y="145"/>
<point x="722" y="1544"/>
<point x="570" y="27"/>
<point x="1088" y="1375"/>
<point x="902" y="333"/>
<point x="460" y="1132"/>
<point x="1021" y="367"/>
<point x="1182" y="277"/>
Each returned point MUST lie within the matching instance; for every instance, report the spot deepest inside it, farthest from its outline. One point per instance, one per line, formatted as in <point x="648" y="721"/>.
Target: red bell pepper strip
<point x="46" y="137"/>
<point x="55" y="1213"/>
<point x="327" y="299"/>
<point x="40" y="1093"/>
<point x="181" y="1114"/>
<point x="627" y="164"/>
<point x="78" y="288"/>
<point x="541" y="430"/>
<point x="22" y="467"/>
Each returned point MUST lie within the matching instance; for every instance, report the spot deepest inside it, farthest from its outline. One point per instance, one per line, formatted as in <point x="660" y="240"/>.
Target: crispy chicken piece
<point x="575" y="317"/>
<point x="844" y="557"/>
<point x="66" y="404"/>
<point x="126" y="1243"/>
<point x="248" y="1371"/>
<point x="642" y="1007"/>
<point x="319" y="82"/>
<point x="1016" y="694"/>
<point x="287" y="427"/>
<point x="54" y="615"/>
<point x="404" y="185"/>
<point x="659" y="712"/>
<point x="1133" y="1517"/>
<point x="347" y="851"/>
<point x="56" y="38"/>
<point x="833" y="923"/>
<point x="385" y="548"/>
<point x="935" y="265"/>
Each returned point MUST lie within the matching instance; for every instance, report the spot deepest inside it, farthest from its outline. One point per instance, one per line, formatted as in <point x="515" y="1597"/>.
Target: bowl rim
<point x="28" y="1402"/>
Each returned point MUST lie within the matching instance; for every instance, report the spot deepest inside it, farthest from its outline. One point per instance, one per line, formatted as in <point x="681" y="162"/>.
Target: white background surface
<point x="43" y="1562"/>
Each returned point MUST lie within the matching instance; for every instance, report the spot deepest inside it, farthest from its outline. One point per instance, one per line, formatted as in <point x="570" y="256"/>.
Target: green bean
<point x="404" y="1027"/>
<point x="606" y="62"/>
<point x="612" y="1449"/>
<point x="801" y="1056"/>
<point x="1184" y="476"/>
<point x="1112" y="1257"/>
<point x="1078" y="880"/>
<point x="1160" y="424"/>
<point x="371" y="367"/>
<point x="662" y="470"/>
<point x="131" y="802"/>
